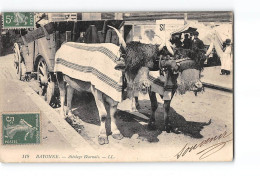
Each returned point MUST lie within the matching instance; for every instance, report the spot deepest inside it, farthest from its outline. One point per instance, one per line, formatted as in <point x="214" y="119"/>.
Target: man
<point x="226" y="59"/>
<point x="191" y="38"/>
<point x="186" y="42"/>
<point x="198" y="49"/>
<point x="176" y="40"/>
<point x="196" y="42"/>
<point x="81" y="38"/>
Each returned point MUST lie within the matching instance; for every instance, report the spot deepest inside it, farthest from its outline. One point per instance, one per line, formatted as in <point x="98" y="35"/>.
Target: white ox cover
<point x="158" y="84"/>
<point x="92" y="63"/>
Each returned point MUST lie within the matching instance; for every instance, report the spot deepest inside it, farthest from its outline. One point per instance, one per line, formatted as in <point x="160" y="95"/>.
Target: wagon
<point x="35" y="52"/>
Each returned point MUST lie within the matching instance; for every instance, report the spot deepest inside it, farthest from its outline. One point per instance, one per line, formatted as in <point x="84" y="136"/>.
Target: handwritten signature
<point x="207" y="151"/>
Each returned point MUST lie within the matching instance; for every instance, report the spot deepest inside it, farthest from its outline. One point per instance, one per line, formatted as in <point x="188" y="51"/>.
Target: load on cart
<point x="35" y="52"/>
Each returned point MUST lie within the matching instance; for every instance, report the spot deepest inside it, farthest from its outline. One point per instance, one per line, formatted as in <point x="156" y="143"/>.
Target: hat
<point x="195" y="33"/>
<point x="228" y="41"/>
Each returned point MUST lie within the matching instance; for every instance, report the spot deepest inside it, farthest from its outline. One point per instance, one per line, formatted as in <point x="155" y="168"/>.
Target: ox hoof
<point x="78" y="130"/>
<point x="167" y="128"/>
<point x="138" y="107"/>
<point x="118" y="136"/>
<point x="134" y="109"/>
<point x="176" y="130"/>
<point x="151" y="126"/>
<point x="102" y="140"/>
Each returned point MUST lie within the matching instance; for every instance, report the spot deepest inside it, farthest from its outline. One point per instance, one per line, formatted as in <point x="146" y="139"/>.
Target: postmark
<point x="18" y="20"/>
<point x="21" y="128"/>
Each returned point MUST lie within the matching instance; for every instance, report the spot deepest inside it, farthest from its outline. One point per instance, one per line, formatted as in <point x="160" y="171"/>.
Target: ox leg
<point x="113" y="108"/>
<point x="102" y="138"/>
<point x="166" y="107"/>
<point x="137" y="105"/>
<point x="154" y="106"/>
<point x="132" y="94"/>
<point x="70" y="92"/>
<point x="62" y="89"/>
<point x="134" y="104"/>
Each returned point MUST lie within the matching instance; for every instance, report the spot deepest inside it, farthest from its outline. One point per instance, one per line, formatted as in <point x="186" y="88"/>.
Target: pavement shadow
<point x="178" y="122"/>
<point x="129" y="124"/>
<point x="84" y="106"/>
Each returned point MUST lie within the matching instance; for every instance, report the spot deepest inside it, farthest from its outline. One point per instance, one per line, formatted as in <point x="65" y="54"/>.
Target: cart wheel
<point x="20" y="70"/>
<point x="16" y="55"/>
<point x="18" y="61"/>
<point x="50" y="89"/>
<point x="45" y="81"/>
<point x="15" y="59"/>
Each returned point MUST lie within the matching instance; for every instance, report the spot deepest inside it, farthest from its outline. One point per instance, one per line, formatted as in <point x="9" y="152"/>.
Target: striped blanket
<point x="92" y="63"/>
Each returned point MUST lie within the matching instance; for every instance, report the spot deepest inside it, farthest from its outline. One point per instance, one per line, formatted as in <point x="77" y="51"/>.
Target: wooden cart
<point x="35" y="53"/>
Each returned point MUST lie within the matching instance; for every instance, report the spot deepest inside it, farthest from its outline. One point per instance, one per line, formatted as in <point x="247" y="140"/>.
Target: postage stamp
<point x="16" y="20"/>
<point x="21" y="128"/>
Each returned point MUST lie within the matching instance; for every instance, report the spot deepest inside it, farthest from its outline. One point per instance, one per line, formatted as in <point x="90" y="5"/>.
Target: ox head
<point x="137" y="75"/>
<point x="136" y="70"/>
<point x="187" y="64"/>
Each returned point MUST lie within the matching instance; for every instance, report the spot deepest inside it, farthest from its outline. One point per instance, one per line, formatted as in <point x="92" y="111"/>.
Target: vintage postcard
<point x="116" y="87"/>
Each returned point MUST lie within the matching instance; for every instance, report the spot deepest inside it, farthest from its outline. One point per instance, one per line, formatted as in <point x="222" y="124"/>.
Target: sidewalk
<point x="56" y="133"/>
<point x="15" y="99"/>
<point x="211" y="78"/>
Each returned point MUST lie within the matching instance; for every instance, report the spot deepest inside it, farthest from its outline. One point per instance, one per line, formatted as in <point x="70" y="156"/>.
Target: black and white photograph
<point x="117" y="86"/>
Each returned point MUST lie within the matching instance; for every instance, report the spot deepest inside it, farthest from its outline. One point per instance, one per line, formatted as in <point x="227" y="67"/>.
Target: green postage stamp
<point x="21" y="128"/>
<point x="15" y="20"/>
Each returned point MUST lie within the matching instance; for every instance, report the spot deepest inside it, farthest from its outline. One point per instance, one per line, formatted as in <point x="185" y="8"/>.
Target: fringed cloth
<point x="93" y="63"/>
<point x="184" y="82"/>
<point x="188" y="74"/>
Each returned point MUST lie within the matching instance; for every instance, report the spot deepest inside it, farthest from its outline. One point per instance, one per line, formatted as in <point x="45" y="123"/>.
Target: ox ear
<point x="120" y="37"/>
<point x="169" y="48"/>
<point x="120" y="66"/>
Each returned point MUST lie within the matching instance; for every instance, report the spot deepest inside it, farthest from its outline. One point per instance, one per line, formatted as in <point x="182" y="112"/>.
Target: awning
<point x="189" y="30"/>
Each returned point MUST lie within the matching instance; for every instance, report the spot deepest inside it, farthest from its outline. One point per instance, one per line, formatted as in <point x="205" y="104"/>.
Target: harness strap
<point x="181" y="60"/>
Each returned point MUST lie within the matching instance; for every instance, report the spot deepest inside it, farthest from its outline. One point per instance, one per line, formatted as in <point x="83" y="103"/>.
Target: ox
<point x="181" y="74"/>
<point x="68" y="82"/>
<point x="100" y="99"/>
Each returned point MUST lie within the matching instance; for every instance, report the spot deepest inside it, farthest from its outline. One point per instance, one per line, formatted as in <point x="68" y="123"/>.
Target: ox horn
<point x="162" y="44"/>
<point x="167" y="44"/>
<point x="211" y="46"/>
<point x="169" y="48"/>
<point x="121" y="40"/>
